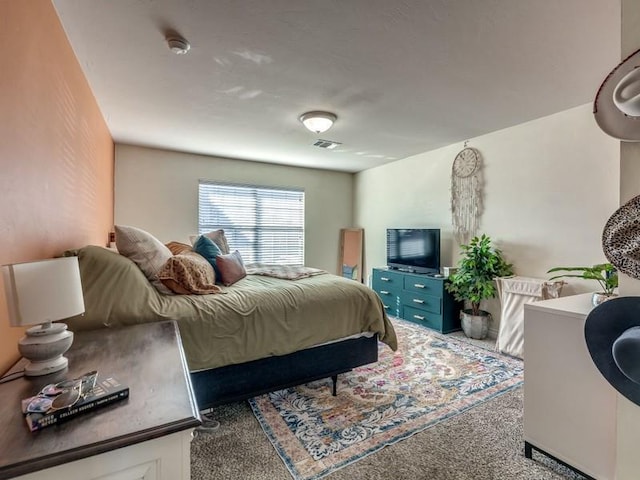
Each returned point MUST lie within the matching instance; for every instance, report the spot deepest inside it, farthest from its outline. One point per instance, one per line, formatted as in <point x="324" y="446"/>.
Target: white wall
<point x="628" y="413"/>
<point x="157" y="190"/>
<point x="549" y="187"/>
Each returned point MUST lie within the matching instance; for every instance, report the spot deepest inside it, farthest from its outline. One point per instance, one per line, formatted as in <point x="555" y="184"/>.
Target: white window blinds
<point x="265" y="224"/>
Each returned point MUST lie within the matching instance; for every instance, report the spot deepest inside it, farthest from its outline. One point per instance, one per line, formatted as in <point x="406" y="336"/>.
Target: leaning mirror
<point x="350" y="259"/>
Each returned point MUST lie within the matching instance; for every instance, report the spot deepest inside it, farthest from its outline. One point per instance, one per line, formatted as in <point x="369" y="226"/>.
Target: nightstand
<point x="147" y="436"/>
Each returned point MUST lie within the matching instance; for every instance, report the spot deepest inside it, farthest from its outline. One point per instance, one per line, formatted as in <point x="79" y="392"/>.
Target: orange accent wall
<point x="56" y="153"/>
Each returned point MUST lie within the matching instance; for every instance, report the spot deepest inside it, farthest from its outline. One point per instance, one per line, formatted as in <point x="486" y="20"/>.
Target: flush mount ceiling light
<point x="178" y="45"/>
<point x="318" y="122"/>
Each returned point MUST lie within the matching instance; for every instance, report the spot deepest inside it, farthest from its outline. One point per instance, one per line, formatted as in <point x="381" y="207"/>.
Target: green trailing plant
<point x="604" y="273"/>
<point x="477" y="269"/>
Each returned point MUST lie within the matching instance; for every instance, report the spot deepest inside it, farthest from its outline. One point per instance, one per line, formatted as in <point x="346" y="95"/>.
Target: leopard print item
<point x="621" y="238"/>
<point x="189" y="273"/>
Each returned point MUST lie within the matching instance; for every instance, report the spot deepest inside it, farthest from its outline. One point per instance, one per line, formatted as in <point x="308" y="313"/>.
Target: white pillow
<point x="144" y="250"/>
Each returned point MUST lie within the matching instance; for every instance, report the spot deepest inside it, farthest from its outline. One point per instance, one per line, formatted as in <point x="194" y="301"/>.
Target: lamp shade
<point x="318" y="122"/>
<point x="43" y="291"/>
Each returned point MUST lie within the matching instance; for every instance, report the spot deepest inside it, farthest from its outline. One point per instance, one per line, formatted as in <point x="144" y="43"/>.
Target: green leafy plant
<point x="479" y="265"/>
<point x="604" y="273"/>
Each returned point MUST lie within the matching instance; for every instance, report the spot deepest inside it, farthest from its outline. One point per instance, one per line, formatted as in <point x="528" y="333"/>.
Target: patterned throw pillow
<point x="219" y="239"/>
<point x="189" y="273"/>
<point x="231" y="268"/>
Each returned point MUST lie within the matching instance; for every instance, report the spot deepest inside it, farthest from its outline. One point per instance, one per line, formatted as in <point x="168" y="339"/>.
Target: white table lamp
<point x="39" y="293"/>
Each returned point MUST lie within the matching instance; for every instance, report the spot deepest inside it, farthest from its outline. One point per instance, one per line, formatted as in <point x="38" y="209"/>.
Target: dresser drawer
<point x="386" y="291"/>
<point x="422" y="301"/>
<point x="428" y="285"/>
<point x="386" y="280"/>
<point x="390" y="301"/>
<point x="426" y="319"/>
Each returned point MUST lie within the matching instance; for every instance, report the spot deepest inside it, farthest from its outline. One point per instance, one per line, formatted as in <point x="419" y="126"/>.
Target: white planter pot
<point x="475" y="326"/>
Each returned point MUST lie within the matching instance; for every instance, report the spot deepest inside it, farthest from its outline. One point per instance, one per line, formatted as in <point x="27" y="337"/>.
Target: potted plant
<point x="474" y="281"/>
<point x="604" y="273"/>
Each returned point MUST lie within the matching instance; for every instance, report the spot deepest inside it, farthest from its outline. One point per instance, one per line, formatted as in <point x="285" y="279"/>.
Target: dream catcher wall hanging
<point x="466" y="194"/>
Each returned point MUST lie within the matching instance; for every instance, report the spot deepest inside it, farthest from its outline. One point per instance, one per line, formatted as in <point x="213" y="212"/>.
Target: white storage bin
<point x="514" y="293"/>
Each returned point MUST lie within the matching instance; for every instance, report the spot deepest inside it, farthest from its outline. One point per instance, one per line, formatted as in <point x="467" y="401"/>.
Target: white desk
<point x="569" y="408"/>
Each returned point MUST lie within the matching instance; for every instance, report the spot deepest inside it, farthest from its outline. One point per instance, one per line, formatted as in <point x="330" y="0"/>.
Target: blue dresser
<point x="418" y="298"/>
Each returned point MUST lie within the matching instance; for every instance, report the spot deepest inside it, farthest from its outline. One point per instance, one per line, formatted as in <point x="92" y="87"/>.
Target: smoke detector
<point x="178" y="45"/>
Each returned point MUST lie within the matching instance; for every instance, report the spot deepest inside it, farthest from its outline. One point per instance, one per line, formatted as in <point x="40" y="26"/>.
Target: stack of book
<point x="59" y="402"/>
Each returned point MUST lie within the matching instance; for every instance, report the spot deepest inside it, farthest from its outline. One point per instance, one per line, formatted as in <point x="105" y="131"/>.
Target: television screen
<point x="414" y="250"/>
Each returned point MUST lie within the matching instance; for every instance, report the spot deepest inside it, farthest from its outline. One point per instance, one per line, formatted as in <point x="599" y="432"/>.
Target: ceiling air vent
<point x="328" y="144"/>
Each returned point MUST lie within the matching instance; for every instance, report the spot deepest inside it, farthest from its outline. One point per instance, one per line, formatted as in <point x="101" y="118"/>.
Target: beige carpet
<point x="484" y="443"/>
<point x="431" y="377"/>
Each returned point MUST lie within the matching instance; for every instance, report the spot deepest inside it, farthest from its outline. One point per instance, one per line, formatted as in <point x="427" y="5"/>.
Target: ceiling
<point x="403" y="77"/>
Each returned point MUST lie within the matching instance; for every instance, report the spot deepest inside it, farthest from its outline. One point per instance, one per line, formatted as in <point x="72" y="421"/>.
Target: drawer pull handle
<point x="418" y="285"/>
<point x="384" y="292"/>
<point x="417" y="300"/>
<point x="384" y="279"/>
<point x="418" y="317"/>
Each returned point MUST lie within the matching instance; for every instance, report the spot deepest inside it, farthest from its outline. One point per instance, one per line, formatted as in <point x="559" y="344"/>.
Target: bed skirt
<point x="237" y="382"/>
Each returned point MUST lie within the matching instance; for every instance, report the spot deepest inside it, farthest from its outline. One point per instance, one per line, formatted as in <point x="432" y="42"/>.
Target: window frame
<point x="261" y="227"/>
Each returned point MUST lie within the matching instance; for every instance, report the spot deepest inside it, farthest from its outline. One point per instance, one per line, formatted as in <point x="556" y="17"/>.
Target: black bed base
<point x="233" y="383"/>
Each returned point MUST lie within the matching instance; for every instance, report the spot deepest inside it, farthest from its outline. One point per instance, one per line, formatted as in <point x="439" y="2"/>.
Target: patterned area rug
<point x="430" y="378"/>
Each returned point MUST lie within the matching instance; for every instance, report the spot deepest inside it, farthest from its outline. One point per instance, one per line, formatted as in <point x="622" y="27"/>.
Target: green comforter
<point x="256" y="317"/>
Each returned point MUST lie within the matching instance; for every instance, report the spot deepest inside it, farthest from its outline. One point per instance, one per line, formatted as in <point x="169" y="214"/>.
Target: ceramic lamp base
<point x="44" y="350"/>
<point x="35" y="369"/>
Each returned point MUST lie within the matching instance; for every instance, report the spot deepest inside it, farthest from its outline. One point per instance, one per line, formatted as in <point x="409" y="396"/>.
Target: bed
<point x="260" y="334"/>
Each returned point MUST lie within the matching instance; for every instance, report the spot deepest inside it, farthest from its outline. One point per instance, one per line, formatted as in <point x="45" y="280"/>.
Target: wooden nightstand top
<point x="147" y="357"/>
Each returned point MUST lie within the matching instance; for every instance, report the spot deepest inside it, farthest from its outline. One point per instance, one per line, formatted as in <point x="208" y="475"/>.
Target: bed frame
<point x="233" y="383"/>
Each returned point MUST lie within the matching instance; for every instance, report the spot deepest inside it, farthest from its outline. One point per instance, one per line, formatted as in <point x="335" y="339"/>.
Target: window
<point x="266" y="224"/>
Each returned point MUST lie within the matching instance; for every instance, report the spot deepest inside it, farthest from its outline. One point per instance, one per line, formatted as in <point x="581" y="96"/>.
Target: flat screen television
<point x="414" y="249"/>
